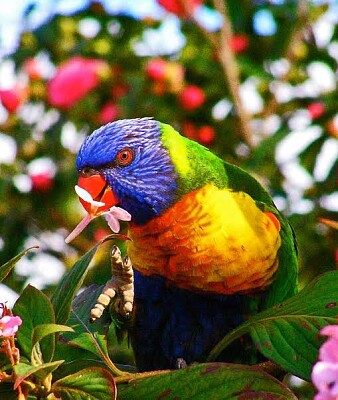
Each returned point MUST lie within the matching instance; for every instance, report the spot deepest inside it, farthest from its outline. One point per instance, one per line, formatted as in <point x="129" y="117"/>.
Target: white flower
<point x="113" y="216"/>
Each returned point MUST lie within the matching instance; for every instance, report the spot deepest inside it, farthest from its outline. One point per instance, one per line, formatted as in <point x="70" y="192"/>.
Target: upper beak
<point x="100" y="191"/>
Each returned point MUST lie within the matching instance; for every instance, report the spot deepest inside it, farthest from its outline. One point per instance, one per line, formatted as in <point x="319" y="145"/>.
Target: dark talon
<point x="113" y="250"/>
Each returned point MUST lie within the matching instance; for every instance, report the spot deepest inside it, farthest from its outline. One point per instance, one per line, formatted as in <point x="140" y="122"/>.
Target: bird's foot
<point x="121" y="285"/>
<point x="181" y="363"/>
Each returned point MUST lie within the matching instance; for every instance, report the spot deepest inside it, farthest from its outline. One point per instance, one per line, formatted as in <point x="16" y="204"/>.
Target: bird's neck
<point x="193" y="167"/>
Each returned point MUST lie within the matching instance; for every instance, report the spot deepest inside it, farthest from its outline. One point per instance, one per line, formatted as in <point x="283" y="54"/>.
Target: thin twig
<point x="231" y="71"/>
<point x="140" y="375"/>
<point x="221" y="44"/>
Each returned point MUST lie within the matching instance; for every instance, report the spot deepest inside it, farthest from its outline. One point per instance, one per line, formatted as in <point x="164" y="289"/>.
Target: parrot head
<point x="124" y="165"/>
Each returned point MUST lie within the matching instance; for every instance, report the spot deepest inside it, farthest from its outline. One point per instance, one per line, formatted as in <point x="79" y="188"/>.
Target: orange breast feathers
<point x="211" y="240"/>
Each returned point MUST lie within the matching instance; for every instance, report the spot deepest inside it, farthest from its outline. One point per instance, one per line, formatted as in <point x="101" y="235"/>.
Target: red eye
<point x="125" y="157"/>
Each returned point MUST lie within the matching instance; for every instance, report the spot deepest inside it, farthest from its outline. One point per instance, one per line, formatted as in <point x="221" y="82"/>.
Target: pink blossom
<point x="73" y="80"/>
<point x="109" y="112"/>
<point x="9" y="325"/>
<point x="325" y="371"/>
<point x="112" y="216"/>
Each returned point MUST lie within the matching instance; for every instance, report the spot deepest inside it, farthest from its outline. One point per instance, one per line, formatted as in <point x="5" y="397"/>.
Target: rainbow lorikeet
<point x="209" y="248"/>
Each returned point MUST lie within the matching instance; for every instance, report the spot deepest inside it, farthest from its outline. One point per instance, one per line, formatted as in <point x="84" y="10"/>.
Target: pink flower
<point x="325" y="371"/>
<point x="316" y="109"/>
<point x="192" y="97"/>
<point x="73" y="80"/>
<point x="109" y="112"/>
<point x="112" y="216"/>
<point x="156" y="69"/>
<point x="9" y="325"/>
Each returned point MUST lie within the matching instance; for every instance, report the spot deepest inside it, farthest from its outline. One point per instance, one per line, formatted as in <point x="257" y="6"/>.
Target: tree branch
<point x="231" y="71"/>
<point x="220" y="43"/>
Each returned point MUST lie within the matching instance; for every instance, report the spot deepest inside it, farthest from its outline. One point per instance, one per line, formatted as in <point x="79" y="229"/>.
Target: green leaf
<point x="72" y="282"/>
<point x="7" y="392"/>
<point x="89" y="340"/>
<point x="23" y="371"/>
<point x="88" y="336"/>
<point x="75" y="359"/>
<point x="6" y="268"/>
<point x="308" y="157"/>
<point x="217" y="381"/>
<point x="43" y="330"/>
<point x="82" y="305"/>
<point x="288" y="332"/>
<point x="34" y="308"/>
<point x="87" y="384"/>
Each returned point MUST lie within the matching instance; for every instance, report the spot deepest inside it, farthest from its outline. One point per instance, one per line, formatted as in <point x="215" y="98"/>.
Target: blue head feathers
<point x="146" y="186"/>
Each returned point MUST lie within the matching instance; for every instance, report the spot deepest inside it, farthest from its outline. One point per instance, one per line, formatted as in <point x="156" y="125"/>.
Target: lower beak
<point x="100" y="191"/>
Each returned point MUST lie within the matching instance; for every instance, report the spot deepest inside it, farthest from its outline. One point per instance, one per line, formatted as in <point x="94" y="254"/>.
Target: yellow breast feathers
<point x="211" y="240"/>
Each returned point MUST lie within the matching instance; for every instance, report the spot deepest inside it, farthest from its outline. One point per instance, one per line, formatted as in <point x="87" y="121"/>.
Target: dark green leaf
<point x="35" y="308"/>
<point x="7" y="268"/>
<point x="86" y="339"/>
<point x="23" y="371"/>
<point x="7" y="392"/>
<point x="72" y="282"/>
<point x="75" y="359"/>
<point x="308" y="156"/>
<point x="40" y="331"/>
<point x="87" y="384"/>
<point x="88" y="336"/>
<point x="217" y="381"/>
<point x="288" y="333"/>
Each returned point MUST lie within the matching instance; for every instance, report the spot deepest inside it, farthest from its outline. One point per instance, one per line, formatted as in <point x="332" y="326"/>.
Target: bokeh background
<point x="255" y="81"/>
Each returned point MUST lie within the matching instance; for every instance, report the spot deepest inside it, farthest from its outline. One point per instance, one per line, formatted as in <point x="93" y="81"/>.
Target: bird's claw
<point x="180" y="363"/>
<point x="121" y="285"/>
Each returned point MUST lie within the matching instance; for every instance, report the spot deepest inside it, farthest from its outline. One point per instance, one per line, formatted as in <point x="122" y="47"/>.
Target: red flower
<point x="108" y="113"/>
<point x="119" y="90"/>
<point x="12" y="98"/>
<point x="189" y="130"/>
<point x="42" y="182"/>
<point x="192" y="97"/>
<point x="156" y="69"/>
<point x="176" y="7"/>
<point x="206" y="134"/>
<point x="239" y="42"/>
<point x="316" y="110"/>
<point x="73" y="80"/>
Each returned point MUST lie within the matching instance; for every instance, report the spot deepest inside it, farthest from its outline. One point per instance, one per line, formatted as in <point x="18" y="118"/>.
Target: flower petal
<point x="120" y="213"/>
<point x="329" y="351"/>
<point x="325" y="376"/>
<point x="87" y="197"/>
<point x="113" y="222"/>
<point x="9" y="325"/>
<point x="79" y="228"/>
<point x="330" y="330"/>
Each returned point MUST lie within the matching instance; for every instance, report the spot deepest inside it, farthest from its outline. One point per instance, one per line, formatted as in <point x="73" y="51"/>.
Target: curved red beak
<point x="100" y="191"/>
